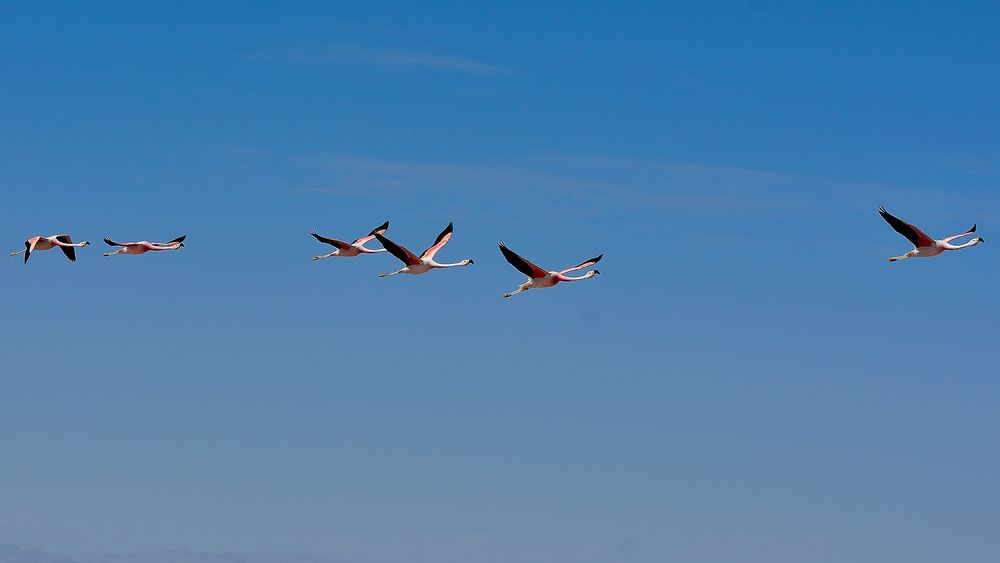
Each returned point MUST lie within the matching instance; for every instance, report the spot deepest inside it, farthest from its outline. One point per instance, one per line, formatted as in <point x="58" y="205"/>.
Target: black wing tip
<point x="382" y="227"/>
<point x="973" y="229"/>
<point x="447" y="231"/>
<point x="180" y="238"/>
<point x="596" y="260"/>
<point x="384" y="239"/>
<point x="505" y="249"/>
<point x="402" y="254"/>
<point x="888" y="217"/>
<point x="109" y="242"/>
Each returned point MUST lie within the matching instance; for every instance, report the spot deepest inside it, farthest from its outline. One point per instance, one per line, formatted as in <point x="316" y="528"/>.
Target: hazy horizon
<point x="11" y="553"/>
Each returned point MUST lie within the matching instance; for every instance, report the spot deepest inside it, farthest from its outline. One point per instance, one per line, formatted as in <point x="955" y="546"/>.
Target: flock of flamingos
<point x="923" y="246"/>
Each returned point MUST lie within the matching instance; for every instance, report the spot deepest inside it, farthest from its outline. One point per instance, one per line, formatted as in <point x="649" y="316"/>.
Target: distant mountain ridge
<point x="10" y="553"/>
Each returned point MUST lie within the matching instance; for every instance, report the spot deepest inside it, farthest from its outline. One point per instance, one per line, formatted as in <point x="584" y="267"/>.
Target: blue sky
<point x="748" y="381"/>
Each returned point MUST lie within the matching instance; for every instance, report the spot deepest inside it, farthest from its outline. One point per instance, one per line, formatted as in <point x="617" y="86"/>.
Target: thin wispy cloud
<point x="439" y="62"/>
<point x="591" y="184"/>
<point x="388" y="58"/>
<point x="600" y="182"/>
<point x="978" y="165"/>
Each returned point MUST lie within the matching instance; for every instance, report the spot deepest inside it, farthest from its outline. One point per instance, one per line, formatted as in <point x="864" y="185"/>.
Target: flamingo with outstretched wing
<point x="538" y="277"/>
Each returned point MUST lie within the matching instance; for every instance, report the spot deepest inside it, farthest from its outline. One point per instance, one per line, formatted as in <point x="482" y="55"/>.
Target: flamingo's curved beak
<point x="597" y="272"/>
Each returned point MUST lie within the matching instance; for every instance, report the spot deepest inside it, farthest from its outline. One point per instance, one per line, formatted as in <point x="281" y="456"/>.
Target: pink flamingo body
<point x="39" y="243"/>
<point x="350" y="249"/>
<point x="923" y="245"/>
<point x="144" y="246"/>
<point x="424" y="263"/>
<point x="539" y="278"/>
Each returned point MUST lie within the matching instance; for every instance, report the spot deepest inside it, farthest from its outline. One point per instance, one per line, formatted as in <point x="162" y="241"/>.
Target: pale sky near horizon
<point x="747" y="381"/>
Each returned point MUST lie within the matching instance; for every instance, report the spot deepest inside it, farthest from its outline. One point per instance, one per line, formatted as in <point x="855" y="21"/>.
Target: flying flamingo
<point x="347" y="249"/>
<point x="538" y="277"/>
<point x="144" y="246"/>
<point x="925" y="245"/>
<point x="64" y="242"/>
<point x="425" y="263"/>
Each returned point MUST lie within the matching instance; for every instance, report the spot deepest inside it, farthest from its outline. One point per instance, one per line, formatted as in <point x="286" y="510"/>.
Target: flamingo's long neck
<point x="158" y="248"/>
<point x="462" y="263"/>
<point x="80" y="244"/>
<point x="948" y="246"/>
<point x="370" y="251"/>
<point x="586" y="276"/>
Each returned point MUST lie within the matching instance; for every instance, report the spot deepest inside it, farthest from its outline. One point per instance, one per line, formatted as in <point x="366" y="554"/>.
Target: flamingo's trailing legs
<point x="143" y="246"/>
<point x="924" y="245"/>
<point x="346" y="249"/>
<point x="538" y="277"/>
<point x="64" y="242"/>
<point x="425" y="262"/>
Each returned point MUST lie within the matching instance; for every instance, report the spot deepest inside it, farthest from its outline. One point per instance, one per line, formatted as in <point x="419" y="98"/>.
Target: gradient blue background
<point x="749" y="381"/>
